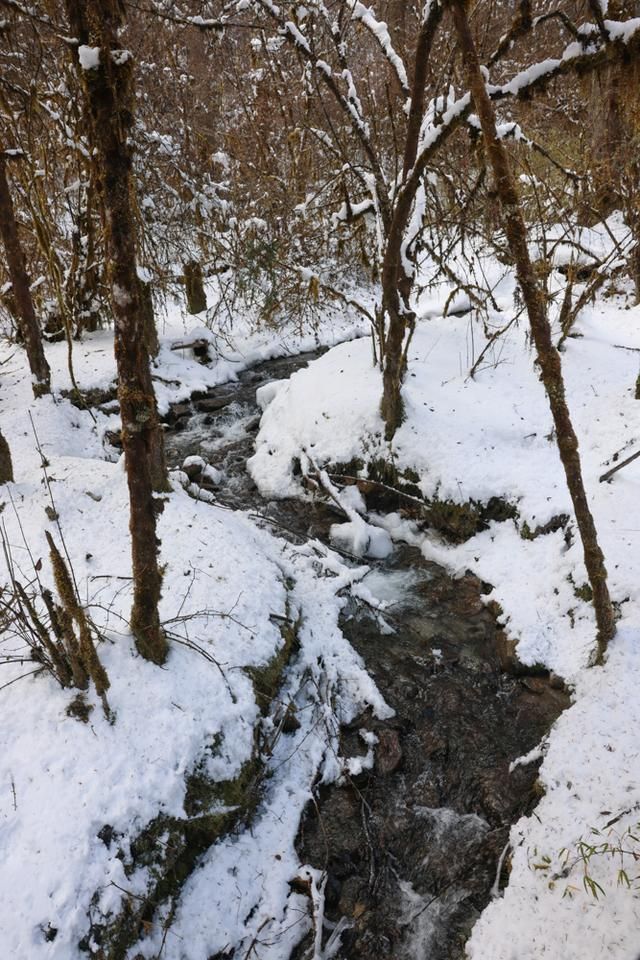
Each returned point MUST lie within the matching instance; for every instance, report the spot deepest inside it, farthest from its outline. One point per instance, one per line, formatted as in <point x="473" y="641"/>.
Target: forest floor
<point x="81" y="802"/>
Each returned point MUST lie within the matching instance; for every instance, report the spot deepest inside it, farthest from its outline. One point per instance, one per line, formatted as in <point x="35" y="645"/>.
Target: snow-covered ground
<point x="228" y="586"/>
<point x="491" y="435"/>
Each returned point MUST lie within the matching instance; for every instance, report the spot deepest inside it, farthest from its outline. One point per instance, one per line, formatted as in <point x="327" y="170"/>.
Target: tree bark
<point x="6" y="466"/>
<point x="194" y="287"/>
<point x="25" y="312"/>
<point x="150" y="329"/>
<point x="548" y="356"/>
<point x="108" y="89"/>
<point x="396" y="284"/>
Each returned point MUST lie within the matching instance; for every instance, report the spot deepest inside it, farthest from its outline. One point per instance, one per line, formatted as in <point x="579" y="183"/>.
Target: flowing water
<point x="410" y="847"/>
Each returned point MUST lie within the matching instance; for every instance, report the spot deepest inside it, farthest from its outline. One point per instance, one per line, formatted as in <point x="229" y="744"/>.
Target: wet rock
<point x="537" y="685"/>
<point x="178" y="411"/>
<point x="468" y="596"/>
<point x="113" y="438"/>
<point x="211" y="404"/>
<point x="388" y="752"/>
<point x="179" y="425"/>
<point x="354" y="897"/>
<point x="505" y="647"/>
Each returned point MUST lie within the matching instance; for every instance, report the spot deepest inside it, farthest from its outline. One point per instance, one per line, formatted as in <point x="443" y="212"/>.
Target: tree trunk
<point x="6" y="466"/>
<point x="396" y="283"/>
<point x="635" y="265"/>
<point x="25" y="312"/>
<point x="108" y="88"/>
<point x="548" y="356"/>
<point x="150" y="329"/>
<point x="194" y="286"/>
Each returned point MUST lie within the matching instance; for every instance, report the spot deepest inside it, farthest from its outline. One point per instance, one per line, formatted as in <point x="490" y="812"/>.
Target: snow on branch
<point x="622" y="30"/>
<point x="579" y="57"/>
<point x="380" y="31"/>
<point x="297" y="36"/>
<point x="354" y="103"/>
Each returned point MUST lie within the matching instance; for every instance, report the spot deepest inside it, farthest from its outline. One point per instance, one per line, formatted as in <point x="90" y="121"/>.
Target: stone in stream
<point x="211" y="404"/>
<point x="201" y="473"/>
<point x="178" y="412"/>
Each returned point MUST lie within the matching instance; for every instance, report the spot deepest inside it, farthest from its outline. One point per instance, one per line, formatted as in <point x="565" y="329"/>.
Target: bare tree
<point x="535" y="301"/>
<point x="26" y="315"/>
<point x="106" y="75"/>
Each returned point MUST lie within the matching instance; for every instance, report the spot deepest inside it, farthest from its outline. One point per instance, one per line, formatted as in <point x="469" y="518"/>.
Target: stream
<point x="411" y="847"/>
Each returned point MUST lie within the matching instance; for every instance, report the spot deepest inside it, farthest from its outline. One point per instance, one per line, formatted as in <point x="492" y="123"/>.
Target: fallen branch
<point x="609" y="474"/>
<point x="199" y="343"/>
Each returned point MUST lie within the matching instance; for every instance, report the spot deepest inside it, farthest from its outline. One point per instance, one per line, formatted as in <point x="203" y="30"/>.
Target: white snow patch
<point x="89" y="57"/>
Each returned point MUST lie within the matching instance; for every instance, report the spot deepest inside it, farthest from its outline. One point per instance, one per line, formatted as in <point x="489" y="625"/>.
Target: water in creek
<point x="411" y="847"/>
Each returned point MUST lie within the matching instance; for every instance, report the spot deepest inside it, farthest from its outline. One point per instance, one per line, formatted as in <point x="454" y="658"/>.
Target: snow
<point x="622" y="30"/>
<point x="227" y="587"/>
<point x="380" y="31"/>
<point x="89" y="57"/>
<point x="361" y="539"/>
<point x="298" y="38"/>
<point x="491" y="435"/>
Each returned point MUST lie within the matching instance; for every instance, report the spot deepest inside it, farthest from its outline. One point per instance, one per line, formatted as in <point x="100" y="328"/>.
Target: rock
<point x="468" y="596"/>
<point x="507" y="657"/>
<point x="194" y="467"/>
<point x="201" y="474"/>
<point x="179" y="425"/>
<point x="211" y="404"/>
<point x="388" y="752"/>
<point x="177" y="411"/>
<point x="114" y="438"/>
<point x="354" y="897"/>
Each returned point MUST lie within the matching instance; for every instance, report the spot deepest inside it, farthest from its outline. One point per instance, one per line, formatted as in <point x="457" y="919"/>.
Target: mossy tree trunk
<point x="6" y="466"/>
<point x="535" y="302"/>
<point x="108" y="88"/>
<point x="25" y="311"/>
<point x="194" y="287"/>
<point x="150" y="329"/>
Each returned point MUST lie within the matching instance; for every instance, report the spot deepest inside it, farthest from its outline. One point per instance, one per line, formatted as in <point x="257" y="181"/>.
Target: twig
<point x="495" y="889"/>
<point x="21" y="677"/>
<point x="609" y="474"/>
<point x="255" y="939"/>
<point x="192" y="645"/>
<point x="44" y="463"/>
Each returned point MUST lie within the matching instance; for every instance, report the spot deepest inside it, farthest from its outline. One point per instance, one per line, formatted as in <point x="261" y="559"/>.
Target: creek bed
<point x="411" y="847"/>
